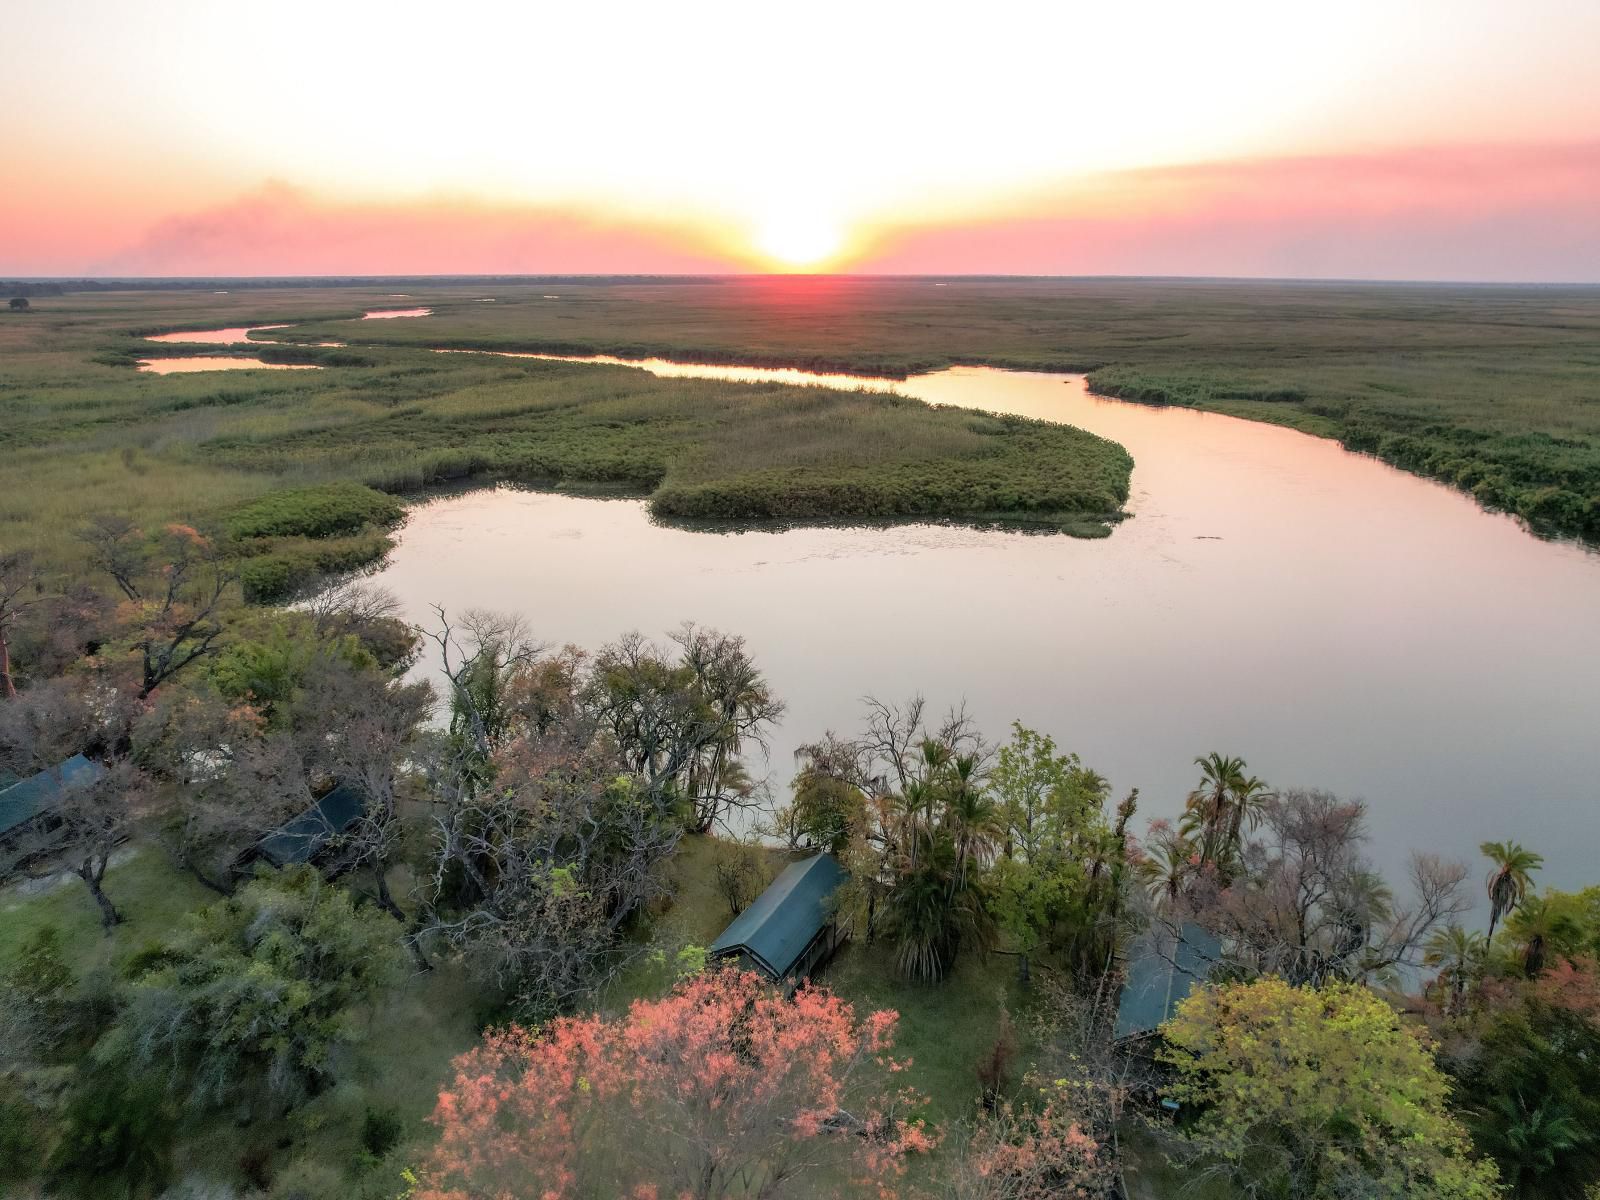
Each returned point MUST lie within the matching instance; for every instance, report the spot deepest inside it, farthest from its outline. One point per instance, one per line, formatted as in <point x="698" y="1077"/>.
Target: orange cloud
<point x="280" y="230"/>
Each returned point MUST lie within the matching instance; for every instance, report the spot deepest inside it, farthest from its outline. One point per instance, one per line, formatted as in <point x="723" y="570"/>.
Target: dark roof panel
<point x="21" y="802"/>
<point x="301" y="839"/>
<point x="777" y="927"/>
<point x="1160" y="974"/>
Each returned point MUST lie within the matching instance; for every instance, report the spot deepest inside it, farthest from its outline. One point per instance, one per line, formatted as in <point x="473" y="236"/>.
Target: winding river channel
<point x="1336" y="622"/>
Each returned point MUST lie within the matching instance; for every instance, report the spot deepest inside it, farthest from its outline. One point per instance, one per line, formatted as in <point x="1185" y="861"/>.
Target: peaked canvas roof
<point x="302" y="838"/>
<point x="1161" y="973"/>
<point x="21" y="802"/>
<point x="775" y="930"/>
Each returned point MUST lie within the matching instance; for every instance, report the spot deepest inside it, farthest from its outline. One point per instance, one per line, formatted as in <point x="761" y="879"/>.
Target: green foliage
<point x="117" y="1135"/>
<point x="256" y="991"/>
<point x="1317" y="1095"/>
<point x="19" y="1133"/>
<point x="827" y="811"/>
<point x="1056" y="883"/>
<point x="1528" y="1083"/>
<point x="323" y="510"/>
<point x="266" y="660"/>
<point x="279" y="569"/>
<point x="381" y="1131"/>
<point x="40" y="978"/>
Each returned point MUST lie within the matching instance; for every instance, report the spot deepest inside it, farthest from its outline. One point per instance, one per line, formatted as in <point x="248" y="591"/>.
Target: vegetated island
<point x="84" y="433"/>
<point x="1494" y="390"/>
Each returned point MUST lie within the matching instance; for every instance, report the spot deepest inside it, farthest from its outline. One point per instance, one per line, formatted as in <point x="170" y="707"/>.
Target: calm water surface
<point x="213" y="337"/>
<point x="1336" y="622"/>
<point x="216" y="362"/>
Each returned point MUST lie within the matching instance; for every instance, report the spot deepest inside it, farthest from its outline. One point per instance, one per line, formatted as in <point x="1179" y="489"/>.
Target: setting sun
<point x="798" y="240"/>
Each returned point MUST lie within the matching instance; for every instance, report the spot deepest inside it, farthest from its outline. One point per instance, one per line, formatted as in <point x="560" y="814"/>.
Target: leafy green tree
<point x="257" y="992"/>
<point x="1059" y="874"/>
<point x="1510" y="881"/>
<point x="1317" y="1095"/>
<point x="1554" y="925"/>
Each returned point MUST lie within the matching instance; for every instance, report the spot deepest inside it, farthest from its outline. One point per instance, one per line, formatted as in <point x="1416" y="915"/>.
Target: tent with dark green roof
<point x="1162" y="970"/>
<point x="308" y="835"/>
<point x="36" y="797"/>
<point x="790" y="928"/>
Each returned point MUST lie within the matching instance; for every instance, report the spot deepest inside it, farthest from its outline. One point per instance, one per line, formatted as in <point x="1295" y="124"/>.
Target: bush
<point x="118" y="1136"/>
<point x="19" y="1142"/>
<point x="294" y="566"/>
<point x="381" y="1131"/>
<point x="324" y="510"/>
<point x="254" y="995"/>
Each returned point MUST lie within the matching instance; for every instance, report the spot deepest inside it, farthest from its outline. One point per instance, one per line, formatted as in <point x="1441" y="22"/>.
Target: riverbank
<point x="1492" y="390"/>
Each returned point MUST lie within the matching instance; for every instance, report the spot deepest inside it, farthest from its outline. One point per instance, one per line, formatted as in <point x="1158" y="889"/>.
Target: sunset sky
<point x="1413" y="139"/>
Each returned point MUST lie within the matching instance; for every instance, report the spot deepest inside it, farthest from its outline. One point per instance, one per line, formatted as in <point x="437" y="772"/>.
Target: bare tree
<point x="358" y="727"/>
<point x="19" y="591"/>
<point x="1311" y="908"/>
<point x="86" y="817"/>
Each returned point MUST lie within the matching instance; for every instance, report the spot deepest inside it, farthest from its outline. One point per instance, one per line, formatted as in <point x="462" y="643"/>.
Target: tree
<point x="1058" y="878"/>
<point x="1512" y="877"/>
<point x="1037" y="1149"/>
<point x="1308" y="905"/>
<point x="45" y="726"/>
<point x="254" y="995"/>
<point x="723" y="1088"/>
<point x="1526" y="1080"/>
<point x="173" y="586"/>
<point x="1219" y="810"/>
<point x="19" y="304"/>
<point x="1459" y="957"/>
<point x="741" y="873"/>
<point x="19" y="586"/>
<point x="1316" y="1094"/>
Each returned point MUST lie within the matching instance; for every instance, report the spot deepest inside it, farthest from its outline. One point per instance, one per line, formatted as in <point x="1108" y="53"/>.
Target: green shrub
<point x="381" y="1131"/>
<point x="117" y="1136"/>
<point x="325" y="510"/>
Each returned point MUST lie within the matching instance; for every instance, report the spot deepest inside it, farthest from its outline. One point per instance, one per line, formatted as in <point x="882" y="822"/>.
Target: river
<point x="1336" y="622"/>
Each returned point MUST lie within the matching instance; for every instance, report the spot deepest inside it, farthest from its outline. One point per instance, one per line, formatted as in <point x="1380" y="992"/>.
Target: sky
<point x="1407" y="139"/>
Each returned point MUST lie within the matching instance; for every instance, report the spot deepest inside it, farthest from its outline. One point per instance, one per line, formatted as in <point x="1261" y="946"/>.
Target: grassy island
<point x="85" y="432"/>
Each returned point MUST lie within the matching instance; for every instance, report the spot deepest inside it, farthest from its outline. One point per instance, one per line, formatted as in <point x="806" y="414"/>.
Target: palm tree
<point x="971" y="814"/>
<point x="1539" y="926"/>
<point x="1221" y="807"/>
<point x="1534" y="1145"/>
<point x="1166" y="867"/>
<point x="1460" y="956"/>
<point x="1512" y="877"/>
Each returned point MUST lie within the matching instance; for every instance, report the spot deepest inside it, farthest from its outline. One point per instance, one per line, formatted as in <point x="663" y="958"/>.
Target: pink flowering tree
<point x="722" y="1088"/>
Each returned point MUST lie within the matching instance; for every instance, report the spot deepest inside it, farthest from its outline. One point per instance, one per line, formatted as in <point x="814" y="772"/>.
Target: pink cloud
<point x="1486" y="213"/>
